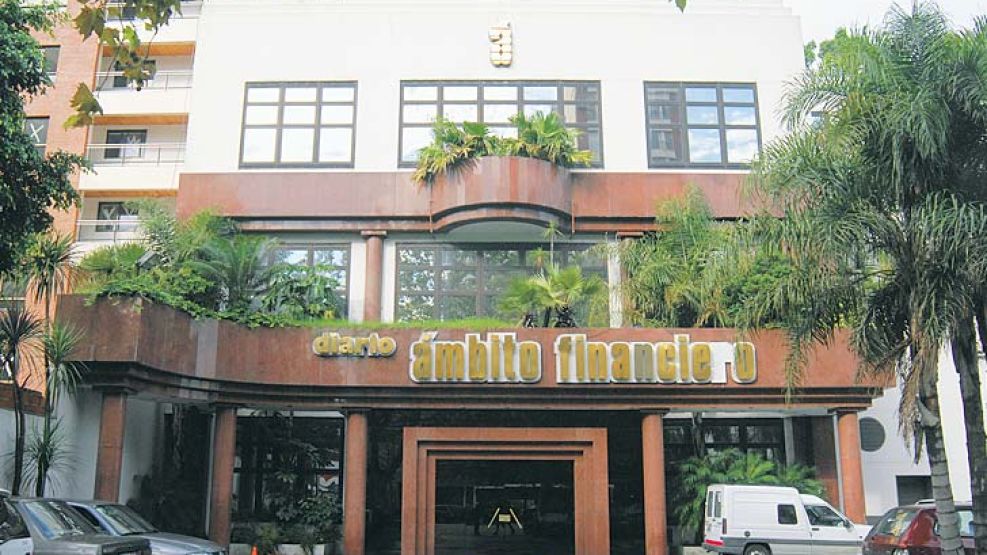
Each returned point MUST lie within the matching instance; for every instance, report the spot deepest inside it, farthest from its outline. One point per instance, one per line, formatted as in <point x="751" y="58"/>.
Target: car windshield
<point x="54" y="520"/>
<point x="822" y="515"/>
<point x="895" y="522"/>
<point x="124" y="520"/>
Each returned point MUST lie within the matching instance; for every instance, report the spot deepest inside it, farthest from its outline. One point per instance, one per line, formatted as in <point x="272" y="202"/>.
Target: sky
<point x="821" y="18"/>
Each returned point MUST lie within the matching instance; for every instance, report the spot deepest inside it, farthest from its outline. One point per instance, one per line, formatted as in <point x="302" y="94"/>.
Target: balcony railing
<point x="112" y="231"/>
<point x="155" y="154"/>
<point x="120" y="12"/>
<point x="162" y="80"/>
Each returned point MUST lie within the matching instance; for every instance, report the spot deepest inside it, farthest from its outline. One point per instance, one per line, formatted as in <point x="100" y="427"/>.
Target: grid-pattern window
<point x="50" y="60"/>
<point x="765" y="437"/>
<point x="334" y="259"/>
<point x="37" y="129"/>
<point x="123" y="218"/>
<point x="448" y="282"/>
<point x="493" y="103"/>
<point x="307" y="124"/>
<point x="701" y="124"/>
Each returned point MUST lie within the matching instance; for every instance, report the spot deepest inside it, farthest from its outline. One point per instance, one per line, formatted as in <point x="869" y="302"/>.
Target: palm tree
<point x="239" y="265"/>
<point x="555" y="292"/>
<point x="50" y="270"/>
<point x="881" y="222"/>
<point x="19" y="332"/>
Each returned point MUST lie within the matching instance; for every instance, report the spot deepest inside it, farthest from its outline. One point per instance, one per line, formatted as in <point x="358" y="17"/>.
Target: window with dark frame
<point x="50" y="60"/>
<point x="122" y="82"/>
<point x="701" y="124"/>
<point x="765" y="437"/>
<point x="12" y="294"/>
<point x="334" y="258"/>
<point x="304" y="124"/>
<point x="448" y="282"/>
<point x="37" y="129"/>
<point x="493" y="103"/>
<point x="268" y="446"/>
<point x="787" y="515"/>
<point x="124" y="218"/>
<point x="132" y="143"/>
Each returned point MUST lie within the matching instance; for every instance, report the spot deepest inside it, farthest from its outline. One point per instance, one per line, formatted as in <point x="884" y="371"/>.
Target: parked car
<point x="773" y="520"/>
<point x="120" y="520"/>
<point x="915" y="529"/>
<point x="49" y="527"/>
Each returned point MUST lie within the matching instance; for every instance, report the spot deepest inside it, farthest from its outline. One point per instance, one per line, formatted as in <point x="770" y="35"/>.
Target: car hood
<point x="166" y="543"/>
<point x="109" y="544"/>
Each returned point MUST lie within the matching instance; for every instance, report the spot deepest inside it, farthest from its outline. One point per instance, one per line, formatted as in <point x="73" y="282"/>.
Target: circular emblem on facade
<point x="872" y="434"/>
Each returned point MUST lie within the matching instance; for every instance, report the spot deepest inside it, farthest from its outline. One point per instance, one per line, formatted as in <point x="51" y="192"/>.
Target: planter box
<point x="502" y="187"/>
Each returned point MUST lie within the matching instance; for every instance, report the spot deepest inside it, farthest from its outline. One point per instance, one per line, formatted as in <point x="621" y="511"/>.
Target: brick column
<point x="851" y="473"/>
<point x="374" y="275"/>
<point x="223" y="460"/>
<point x="355" y="483"/>
<point x="653" y="460"/>
<point x="109" y="456"/>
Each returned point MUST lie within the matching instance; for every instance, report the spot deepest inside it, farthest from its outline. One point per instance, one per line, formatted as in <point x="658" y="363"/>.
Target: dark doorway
<point x="911" y="489"/>
<point x="504" y="507"/>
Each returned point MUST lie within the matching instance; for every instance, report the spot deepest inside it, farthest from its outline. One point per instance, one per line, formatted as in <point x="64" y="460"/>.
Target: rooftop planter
<point x="503" y="187"/>
<point x="475" y="175"/>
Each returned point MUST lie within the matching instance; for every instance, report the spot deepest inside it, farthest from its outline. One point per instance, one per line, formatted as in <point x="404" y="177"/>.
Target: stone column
<point x="374" y="275"/>
<point x="355" y="482"/>
<point x="223" y="460"/>
<point x="109" y="456"/>
<point x="848" y="429"/>
<point x="653" y="461"/>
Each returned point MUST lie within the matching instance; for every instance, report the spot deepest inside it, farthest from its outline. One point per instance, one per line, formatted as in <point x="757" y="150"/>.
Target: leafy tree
<point x="885" y="223"/>
<point x="695" y="271"/>
<point x="31" y="185"/>
<point x="731" y="466"/>
<point x="19" y="333"/>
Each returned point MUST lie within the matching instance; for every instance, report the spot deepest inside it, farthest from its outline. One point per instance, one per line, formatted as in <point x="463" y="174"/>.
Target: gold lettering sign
<point x="332" y="344"/>
<point x="500" y="358"/>
<point x="680" y="361"/>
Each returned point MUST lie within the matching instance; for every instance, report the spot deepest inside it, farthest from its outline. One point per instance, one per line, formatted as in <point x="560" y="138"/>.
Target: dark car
<point x="49" y="527"/>
<point x="915" y="529"/>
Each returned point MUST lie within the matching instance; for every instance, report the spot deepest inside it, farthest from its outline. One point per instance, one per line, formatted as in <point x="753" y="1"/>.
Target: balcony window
<point x="494" y="103"/>
<point x="37" y="128"/>
<point x="50" y="60"/>
<point x="123" y="218"/>
<point x="701" y="125"/>
<point x="298" y="124"/>
<point x="12" y="294"/>
<point x="132" y="143"/>
<point x="448" y="282"/>
<point x="334" y="259"/>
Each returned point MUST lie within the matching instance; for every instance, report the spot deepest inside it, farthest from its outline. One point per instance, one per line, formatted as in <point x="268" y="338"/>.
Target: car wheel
<point x="757" y="549"/>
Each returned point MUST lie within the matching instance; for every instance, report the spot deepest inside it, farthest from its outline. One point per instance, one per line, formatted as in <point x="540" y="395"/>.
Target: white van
<point x="773" y="520"/>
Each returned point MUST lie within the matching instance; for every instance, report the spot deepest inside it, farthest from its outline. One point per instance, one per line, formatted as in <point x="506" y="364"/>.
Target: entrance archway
<point x="585" y="448"/>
